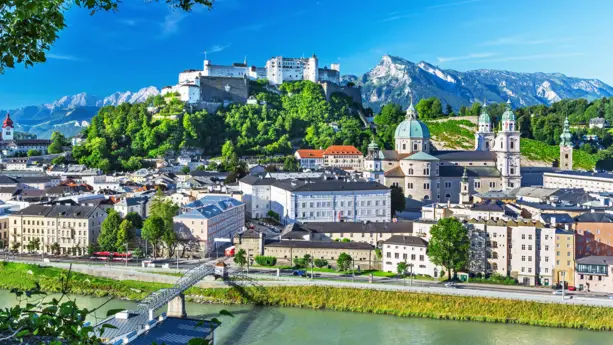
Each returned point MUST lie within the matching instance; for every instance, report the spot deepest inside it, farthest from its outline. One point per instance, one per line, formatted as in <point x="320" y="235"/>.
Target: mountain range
<point x="70" y="114"/>
<point x="393" y="79"/>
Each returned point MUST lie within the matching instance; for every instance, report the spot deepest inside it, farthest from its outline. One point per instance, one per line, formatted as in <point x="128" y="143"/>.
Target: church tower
<point x="507" y="150"/>
<point x="566" y="147"/>
<point x="7" y="128"/>
<point x="464" y="189"/>
<point x="484" y="137"/>
<point x="372" y="162"/>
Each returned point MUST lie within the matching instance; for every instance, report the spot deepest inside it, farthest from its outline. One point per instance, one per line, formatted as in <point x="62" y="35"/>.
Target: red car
<point x="572" y="288"/>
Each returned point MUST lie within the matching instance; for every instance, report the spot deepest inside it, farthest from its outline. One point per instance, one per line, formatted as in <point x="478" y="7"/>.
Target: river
<point x="281" y="326"/>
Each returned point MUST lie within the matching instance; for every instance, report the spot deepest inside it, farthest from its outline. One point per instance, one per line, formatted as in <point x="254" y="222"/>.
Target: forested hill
<point x="119" y="137"/>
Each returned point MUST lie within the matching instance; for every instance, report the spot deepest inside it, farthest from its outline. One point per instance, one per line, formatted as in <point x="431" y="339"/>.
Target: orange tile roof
<point x="342" y="150"/>
<point x="311" y="153"/>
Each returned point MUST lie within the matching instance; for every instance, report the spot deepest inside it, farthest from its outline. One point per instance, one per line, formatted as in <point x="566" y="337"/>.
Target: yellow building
<point x="564" y="269"/>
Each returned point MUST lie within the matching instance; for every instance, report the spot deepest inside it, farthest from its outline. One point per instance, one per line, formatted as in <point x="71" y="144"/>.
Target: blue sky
<point x="147" y="44"/>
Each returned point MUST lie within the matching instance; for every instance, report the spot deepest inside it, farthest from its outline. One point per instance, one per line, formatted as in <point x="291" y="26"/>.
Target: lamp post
<point x="410" y="274"/>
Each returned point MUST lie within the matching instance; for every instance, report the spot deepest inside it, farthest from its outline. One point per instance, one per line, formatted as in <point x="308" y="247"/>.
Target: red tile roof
<point x="342" y="150"/>
<point x="311" y="153"/>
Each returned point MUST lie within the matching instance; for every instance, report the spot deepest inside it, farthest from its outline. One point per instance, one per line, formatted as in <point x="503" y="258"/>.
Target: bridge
<point x="130" y="323"/>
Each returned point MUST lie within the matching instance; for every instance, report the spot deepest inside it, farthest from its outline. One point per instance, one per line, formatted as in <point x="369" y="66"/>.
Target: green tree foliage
<point x="265" y="260"/>
<point x="124" y="234"/>
<point x="152" y="232"/>
<point x="58" y="140"/>
<point x="29" y="28"/>
<point x="398" y="200"/>
<point x="33" y="245"/>
<point x="402" y="268"/>
<point x="320" y="263"/>
<point x="290" y="164"/>
<point x="387" y="120"/>
<point x="185" y="170"/>
<point x="107" y="240"/>
<point x="429" y="108"/>
<point x="55" y="248"/>
<point x="33" y="153"/>
<point x="274" y="215"/>
<point x="344" y="262"/>
<point x="58" y="160"/>
<point x="135" y="219"/>
<point x="240" y="258"/>
<point x="449" y="245"/>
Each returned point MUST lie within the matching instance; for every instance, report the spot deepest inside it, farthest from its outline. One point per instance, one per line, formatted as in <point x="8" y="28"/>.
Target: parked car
<point x="572" y="288"/>
<point x="450" y="285"/>
<point x="301" y="273"/>
<point x="558" y="292"/>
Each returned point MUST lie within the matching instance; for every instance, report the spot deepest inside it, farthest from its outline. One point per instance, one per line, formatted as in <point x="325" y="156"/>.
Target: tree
<point x="169" y="238"/>
<point x="228" y="150"/>
<point x="33" y="245"/>
<point x="320" y="263"/>
<point x="135" y="218"/>
<point x="344" y="261"/>
<point x="153" y="230"/>
<point x="274" y="215"/>
<point x="138" y="253"/>
<point x="33" y="153"/>
<point x="58" y="140"/>
<point x="55" y="248"/>
<point x="124" y="235"/>
<point x="91" y="249"/>
<point x="390" y="116"/>
<point x="107" y="240"/>
<point x="240" y="258"/>
<point x="291" y="164"/>
<point x="270" y="168"/>
<point x="15" y="246"/>
<point x="58" y="160"/>
<point x="449" y="245"/>
<point x="398" y="202"/>
<point x="307" y="260"/>
<point x="185" y="170"/>
<point x="29" y="28"/>
<point x="401" y="268"/>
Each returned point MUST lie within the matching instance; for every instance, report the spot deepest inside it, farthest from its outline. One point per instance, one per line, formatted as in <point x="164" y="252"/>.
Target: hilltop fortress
<point x="217" y="85"/>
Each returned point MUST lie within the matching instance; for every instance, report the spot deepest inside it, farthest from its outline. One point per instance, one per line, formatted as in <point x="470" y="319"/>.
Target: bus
<point x="111" y="256"/>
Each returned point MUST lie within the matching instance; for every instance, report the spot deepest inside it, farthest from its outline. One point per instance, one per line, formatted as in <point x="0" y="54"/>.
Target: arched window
<point x="404" y="147"/>
<point x="426" y="197"/>
<point x="410" y="171"/>
<point x="495" y="255"/>
<point x="495" y="266"/>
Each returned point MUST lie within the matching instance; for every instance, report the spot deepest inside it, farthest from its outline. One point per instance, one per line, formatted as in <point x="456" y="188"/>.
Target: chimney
<point x="553" y="221"/>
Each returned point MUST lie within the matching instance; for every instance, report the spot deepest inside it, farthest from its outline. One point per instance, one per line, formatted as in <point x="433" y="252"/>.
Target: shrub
<point x="320" y="263"/>
<point x="266" y="260"/>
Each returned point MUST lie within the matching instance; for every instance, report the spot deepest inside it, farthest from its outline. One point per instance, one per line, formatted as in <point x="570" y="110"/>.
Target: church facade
<point x="425" y="173"/>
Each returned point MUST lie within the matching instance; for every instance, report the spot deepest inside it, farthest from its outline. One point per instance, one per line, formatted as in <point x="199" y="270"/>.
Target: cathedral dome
<point x="508" y="114"/>
<point x="412" y="128"/>
<point x="484" y="117"/>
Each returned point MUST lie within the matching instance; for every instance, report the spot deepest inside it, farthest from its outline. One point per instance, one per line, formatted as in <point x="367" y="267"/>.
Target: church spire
<point x="566" y="138"/>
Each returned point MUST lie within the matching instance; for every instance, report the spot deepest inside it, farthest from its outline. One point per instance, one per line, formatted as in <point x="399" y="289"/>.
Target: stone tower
<point x="372" y="162"/>
<point x="507" y="151"/>
<point x="566" y="147"/>
<point x="7" y="128"/>
<point x="464" y="188"/>
<point x="484" y="137"/>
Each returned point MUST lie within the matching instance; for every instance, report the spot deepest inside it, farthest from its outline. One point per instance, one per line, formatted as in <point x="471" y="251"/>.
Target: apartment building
<point x="256" y="192"/>
<point x="595" y="274"/>
<point x="532" y="255"/>
<point x="136" y="204"/>
<point x="331" y="201"/>
<point x="371" y="233"/>
<point x="73" y="228"/>
<point x="363" y="254"/>
<point x="343" y="157"/>
<point x="564" y="270"/>
<point x="594" y="231"/>
<point x="310" y="159"/>
<point x="589" y="181"/>
<point x="210" y="218"/>
<point x="413" y="251"/>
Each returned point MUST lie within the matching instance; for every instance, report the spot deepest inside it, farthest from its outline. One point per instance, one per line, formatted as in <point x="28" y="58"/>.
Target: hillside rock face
<point x="395" y="79"/>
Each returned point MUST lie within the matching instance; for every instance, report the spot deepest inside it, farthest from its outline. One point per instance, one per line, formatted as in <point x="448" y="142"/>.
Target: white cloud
<point x="171" y="22"/>
<point x="218" y="48"/>
<point x="473" y="56"/>
<point x="62" y="57"/>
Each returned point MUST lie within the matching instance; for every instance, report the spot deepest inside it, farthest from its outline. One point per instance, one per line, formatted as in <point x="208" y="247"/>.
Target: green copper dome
<point x="566" y="138"/>
<point x="412" y="128"/>
<point x="508" y="114"/>
<point x="373" y="145"/>
<point x="484" y="117"/>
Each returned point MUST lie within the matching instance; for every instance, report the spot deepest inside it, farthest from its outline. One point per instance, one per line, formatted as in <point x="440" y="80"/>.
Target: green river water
<point x="282" y="326"/>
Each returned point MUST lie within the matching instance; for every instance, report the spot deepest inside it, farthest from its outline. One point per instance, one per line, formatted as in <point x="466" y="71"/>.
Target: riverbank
<point x="398" y="303"/>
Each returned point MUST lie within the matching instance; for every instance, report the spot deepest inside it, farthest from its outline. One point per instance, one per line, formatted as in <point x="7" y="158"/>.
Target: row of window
<point x="343" y="203"/>
<point x="405" y="256"/>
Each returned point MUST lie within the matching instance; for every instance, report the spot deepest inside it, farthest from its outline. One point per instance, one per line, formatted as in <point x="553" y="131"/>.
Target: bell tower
<point x="7" y="128"/>
<point x="566" y="147"/>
